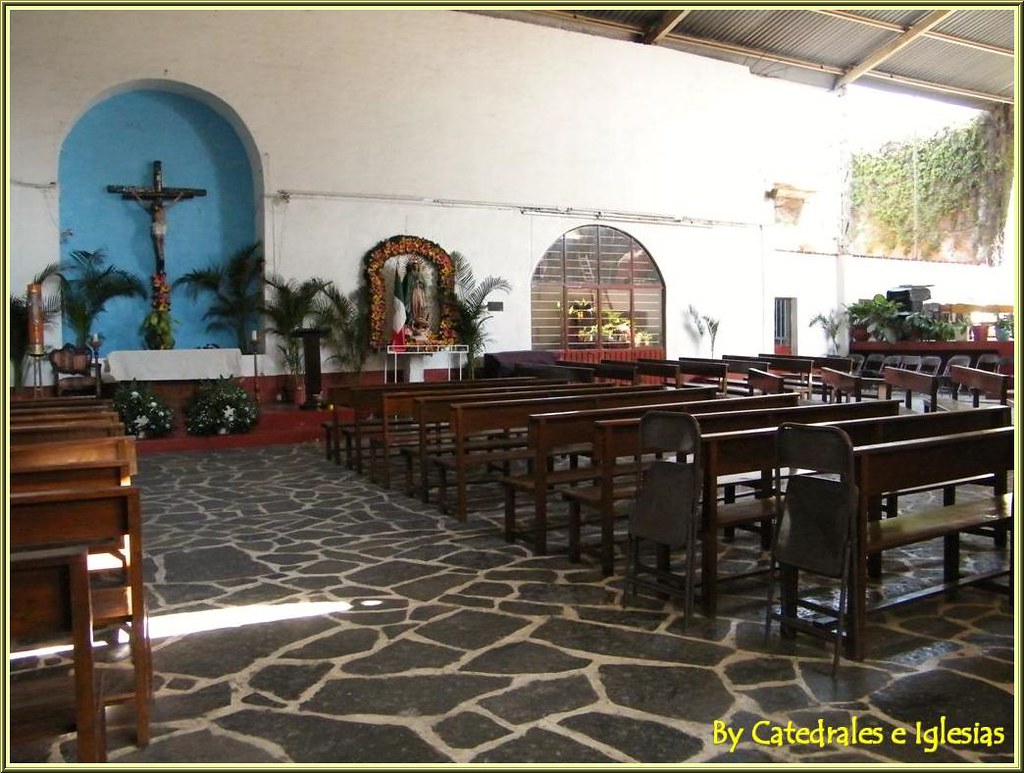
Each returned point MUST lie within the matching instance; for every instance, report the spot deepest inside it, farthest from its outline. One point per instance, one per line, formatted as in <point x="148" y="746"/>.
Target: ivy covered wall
<point x="941" y="198"/>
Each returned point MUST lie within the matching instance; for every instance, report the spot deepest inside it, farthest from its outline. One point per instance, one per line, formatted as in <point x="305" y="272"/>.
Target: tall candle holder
<point x="254" y="340"/>
<point x="95" y="342"/>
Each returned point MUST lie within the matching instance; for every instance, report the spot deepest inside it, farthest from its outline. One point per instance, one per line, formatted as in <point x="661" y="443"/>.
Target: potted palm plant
<point x="346" y="318"/>
<point x="235" y="288"/>
<point x="704" y="324"/>
<point x="86" y="287"/>
<point x="288" y="308"/>
<point x="470" y="303"/>
<point x="830" y="324"/>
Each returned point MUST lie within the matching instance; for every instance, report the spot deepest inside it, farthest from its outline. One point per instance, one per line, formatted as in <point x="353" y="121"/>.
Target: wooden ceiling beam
<point x="933" y="34"/>
<point x="882" y="53"/>
<point x="663" y="26"/>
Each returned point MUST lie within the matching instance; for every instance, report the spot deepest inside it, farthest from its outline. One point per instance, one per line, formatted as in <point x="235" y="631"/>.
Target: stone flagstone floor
<point x="384" y="632"/>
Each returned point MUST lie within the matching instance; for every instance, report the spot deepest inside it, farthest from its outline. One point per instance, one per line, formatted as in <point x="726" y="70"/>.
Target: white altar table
<point x="173" y="364"/>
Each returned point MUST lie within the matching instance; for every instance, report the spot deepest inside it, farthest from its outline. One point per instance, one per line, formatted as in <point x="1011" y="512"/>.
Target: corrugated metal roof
<point x="967" y="57"/>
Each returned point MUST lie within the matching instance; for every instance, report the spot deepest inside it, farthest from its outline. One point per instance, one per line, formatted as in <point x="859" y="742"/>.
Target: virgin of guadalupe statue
<point x="416" y="298"/>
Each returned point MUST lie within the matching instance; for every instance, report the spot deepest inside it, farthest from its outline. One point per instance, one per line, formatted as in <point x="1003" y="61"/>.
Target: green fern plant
<point x="87" y="285"/>
<point x="470" y="303"/>
<point x="235" y="288"/>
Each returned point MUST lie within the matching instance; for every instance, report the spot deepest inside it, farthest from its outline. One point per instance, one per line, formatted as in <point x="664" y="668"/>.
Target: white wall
<point x="447" y="125"/>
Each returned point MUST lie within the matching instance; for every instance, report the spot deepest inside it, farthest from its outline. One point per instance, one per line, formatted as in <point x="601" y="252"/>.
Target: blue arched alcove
<point x="115" y="143"/>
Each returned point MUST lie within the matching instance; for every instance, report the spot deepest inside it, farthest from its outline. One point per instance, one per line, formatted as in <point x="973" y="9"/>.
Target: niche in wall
<point x="115" y="143"/>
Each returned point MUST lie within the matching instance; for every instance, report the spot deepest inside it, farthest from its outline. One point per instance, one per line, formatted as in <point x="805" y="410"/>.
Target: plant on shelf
<point x="235" y="288"/>
<point x="470" y="304"/>
<point x="703" y="324"/>
<point x="143" y="413"/>
<point x="878" y="315"/>
<point x="917" y="326"/>
<point x="643" y="338"/>
<point x="1004" y="327"/>
<point x="581" y="308"/>
<point x="831" y="324"/>
<point x="615" y="328"/>
<point x="87" y="285"/>
<point x="220" y="407"/>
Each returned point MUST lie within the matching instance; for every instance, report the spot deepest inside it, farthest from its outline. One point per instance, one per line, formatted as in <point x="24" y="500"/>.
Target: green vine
<point x="913" y="196"/>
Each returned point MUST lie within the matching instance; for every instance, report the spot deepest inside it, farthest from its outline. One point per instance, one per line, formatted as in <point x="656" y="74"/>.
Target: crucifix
<point x="156" y="201"/>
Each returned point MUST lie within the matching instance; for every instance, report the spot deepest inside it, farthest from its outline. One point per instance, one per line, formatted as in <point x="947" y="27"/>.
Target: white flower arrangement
<point x="220" y="407"/>
<point x="142" y="412"/>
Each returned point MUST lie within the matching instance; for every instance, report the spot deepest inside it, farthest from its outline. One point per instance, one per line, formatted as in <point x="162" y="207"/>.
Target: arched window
<point x="597" y="288"/>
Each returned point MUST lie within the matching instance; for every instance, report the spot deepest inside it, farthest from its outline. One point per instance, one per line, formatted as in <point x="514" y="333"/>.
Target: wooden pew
<point x="732" y="450"/>
<point x="49" y="596"/>
<point x="70" y="401"/>
<point x="99" y="517"/>
<point x="53" y="416"/>
<point x="617" y="370"/>
<point x="99" y="408"/>
<point x="95" y="474"/>
<point x="398" y="410"/>
<point x="549" y="434"/>
<point x="50" y="432"/>
<point x="363" y="402"/>
<point x="664" y="372"/>
<point x="694" y="370"/>
<point x="981" y="383"/>
<point x="619" y="438"/>
<point x="841" y="385"/>
<point x="737" y="368"/>
<point x="469" y="420"/>
<point x="120" y="448"/>
<point x="795" y="371"/>
<point x="430" y="413"/>
<point x="911" y="381"/>
<point x="835" y="362"/>
<point x="765" y="382"/>
<point x="886" y="467"/>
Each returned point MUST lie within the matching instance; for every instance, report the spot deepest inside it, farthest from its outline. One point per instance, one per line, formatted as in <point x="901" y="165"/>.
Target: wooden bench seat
<point x="552" y="434"/>
<point x="47" y="432"/>
<point x="938" y="522"/>
<point x="428" y="414"/>
<point x="49" y="596"/>
<point x="734" y="443"/>
<point x="911" y="381"/>
<point x="98" y="517"/>
<point x="91" y="474"/>
<point x="358" y="403"/>
<point x="470" y="419"/>
<point x="119" y="448"/>
<point x="981" y="384"/>
<point x="881" y="468"/>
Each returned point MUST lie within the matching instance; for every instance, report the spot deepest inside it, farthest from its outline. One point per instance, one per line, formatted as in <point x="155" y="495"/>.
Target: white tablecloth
<point x="174" y="364"/>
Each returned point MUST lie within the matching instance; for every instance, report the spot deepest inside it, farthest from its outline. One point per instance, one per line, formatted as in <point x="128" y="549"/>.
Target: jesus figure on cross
<point x="156" y="201"/>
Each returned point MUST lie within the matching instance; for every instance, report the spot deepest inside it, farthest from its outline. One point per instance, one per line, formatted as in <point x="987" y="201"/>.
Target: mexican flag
<point x="397" y="312"/>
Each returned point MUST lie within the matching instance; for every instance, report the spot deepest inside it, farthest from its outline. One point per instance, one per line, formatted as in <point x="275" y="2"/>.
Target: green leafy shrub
<point x="142" y="412"/>
<point x="220" y="407"/>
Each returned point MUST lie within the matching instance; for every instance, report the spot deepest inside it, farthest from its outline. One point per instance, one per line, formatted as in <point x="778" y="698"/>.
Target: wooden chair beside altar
<point x="74" y="371"/>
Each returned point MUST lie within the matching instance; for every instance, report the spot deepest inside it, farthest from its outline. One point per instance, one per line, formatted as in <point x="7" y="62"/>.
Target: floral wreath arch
<point x="394" y="247"/>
